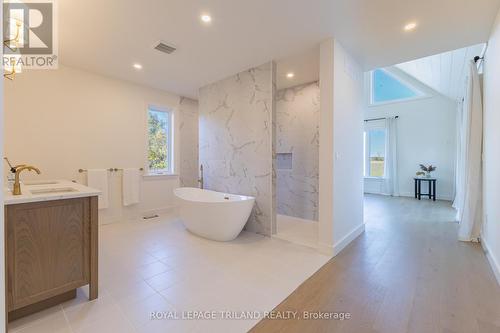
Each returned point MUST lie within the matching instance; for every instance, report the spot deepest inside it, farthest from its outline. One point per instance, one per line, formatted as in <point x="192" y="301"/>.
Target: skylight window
<point x="387" y="88"/>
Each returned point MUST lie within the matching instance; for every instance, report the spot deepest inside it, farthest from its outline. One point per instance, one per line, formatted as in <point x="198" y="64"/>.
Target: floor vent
<point x="149" y="217"/>
<point x="165" y="48"/>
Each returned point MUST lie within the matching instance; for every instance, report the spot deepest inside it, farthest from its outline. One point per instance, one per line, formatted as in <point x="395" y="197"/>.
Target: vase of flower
<point x="427" y="170"/>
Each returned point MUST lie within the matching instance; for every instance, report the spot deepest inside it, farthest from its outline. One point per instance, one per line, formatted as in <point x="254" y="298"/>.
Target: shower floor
<point x="298" y="231"/>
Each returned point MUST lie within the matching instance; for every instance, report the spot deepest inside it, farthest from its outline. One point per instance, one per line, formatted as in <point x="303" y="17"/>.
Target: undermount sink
<point x="41" y="182"/>
<point x="53" y="190"/>
<point x="45" y="190"/>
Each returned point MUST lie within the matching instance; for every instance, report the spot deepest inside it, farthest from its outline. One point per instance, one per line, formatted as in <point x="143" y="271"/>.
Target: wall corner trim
<point x="347" y="239"/>
<point x="495" y="265"/>
<point x="334" y="250"/>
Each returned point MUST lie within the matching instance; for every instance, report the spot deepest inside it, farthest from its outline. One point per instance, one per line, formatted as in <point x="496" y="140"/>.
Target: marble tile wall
<point x="297" y="132"/>
<point x="188" y="131"/>
<point x="236" y="140"/>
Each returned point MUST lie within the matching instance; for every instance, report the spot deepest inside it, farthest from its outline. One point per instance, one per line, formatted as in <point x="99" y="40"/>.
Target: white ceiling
<point x="446" y="72"/>
<point x="108" y="36"/>
<point x="304" y="66"/>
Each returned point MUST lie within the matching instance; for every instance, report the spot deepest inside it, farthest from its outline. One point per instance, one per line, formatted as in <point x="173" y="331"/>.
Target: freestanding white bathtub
<point x="213" y="215"/>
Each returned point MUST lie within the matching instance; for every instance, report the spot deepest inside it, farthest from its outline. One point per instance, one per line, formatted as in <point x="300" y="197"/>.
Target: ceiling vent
<point x="165" y="48"/>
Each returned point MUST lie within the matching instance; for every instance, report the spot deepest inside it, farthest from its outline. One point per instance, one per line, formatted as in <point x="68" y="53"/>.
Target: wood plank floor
<point x="406" y="273"/>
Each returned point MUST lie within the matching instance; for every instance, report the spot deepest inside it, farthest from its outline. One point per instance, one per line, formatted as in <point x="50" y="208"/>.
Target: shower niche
<point x="284" y="161"/>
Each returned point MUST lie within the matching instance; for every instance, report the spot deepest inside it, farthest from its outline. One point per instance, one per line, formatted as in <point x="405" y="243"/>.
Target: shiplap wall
<point x="446" y="72"/>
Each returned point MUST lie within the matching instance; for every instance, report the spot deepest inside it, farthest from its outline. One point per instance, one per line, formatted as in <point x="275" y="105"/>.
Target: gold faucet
<point x="19" y="169"/>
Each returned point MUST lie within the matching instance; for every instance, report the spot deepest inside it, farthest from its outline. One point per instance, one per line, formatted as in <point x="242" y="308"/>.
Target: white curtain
<point x="460" y="156"/>
<point x="462" y="138"/>
<point x="468" y="201"/>
<point x="391" y="182"/>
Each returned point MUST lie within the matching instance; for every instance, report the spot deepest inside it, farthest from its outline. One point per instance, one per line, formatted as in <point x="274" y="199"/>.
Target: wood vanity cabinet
<point x="51" y="249"/>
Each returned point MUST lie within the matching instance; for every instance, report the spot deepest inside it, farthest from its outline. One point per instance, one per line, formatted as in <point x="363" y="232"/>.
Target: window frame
<point x="419" y="92"/>
<point x="170" y="141"/>
<point x="371" y="126"/>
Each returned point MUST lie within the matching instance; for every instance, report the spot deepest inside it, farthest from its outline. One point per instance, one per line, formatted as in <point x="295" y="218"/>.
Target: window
<point x="387" y="88"/>
<point x="374" y="149"/>
<point x="160" y="141"/>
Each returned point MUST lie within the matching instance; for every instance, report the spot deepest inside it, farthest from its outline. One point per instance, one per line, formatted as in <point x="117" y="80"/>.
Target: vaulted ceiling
<point x="446" y="72"/>
<point x="108" y="36"/>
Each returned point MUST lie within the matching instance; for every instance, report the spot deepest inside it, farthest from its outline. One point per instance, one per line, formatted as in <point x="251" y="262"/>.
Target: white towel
<point x="98" y="179"/>
<point x="130" y="186"/>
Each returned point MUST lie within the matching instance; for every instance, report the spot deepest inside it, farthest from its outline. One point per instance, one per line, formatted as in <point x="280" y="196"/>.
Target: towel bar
<point x="110" y="170"/>
<point x="85" y="170"/>
<point x="119" y="169"/>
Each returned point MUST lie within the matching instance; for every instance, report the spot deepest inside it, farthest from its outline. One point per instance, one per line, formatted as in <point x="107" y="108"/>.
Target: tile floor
<point x="158" y="266"/>
<point x="297" y="231"/>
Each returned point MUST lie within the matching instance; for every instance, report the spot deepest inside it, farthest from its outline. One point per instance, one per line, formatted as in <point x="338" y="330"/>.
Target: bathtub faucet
<point x="201" y="177"/>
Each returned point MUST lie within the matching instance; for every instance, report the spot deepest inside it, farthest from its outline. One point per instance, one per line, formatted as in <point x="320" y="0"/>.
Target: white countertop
<point x="38" y="191"/>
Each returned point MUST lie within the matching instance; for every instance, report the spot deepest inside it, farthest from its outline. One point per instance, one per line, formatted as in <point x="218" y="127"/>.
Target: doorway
<point x="297" y="148"/>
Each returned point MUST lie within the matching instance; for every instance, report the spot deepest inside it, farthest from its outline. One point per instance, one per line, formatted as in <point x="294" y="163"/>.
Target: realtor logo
<point x="30" y="39"/>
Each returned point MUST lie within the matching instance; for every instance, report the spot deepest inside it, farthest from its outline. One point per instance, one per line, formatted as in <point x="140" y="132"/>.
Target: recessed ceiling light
<point x="410" y="26"/>
<point x="137" y="66"/>
<point x="290" y="75"/>
<point x="206" y="18"/>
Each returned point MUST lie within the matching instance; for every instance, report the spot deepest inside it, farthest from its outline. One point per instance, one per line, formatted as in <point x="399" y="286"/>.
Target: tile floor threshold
<point x="297" y="231"/>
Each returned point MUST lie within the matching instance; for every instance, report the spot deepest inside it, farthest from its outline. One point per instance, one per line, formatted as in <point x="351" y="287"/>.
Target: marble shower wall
<point x="297" y="133"/>
<point x="188" y="131"/>
<point x="237" y="140"/>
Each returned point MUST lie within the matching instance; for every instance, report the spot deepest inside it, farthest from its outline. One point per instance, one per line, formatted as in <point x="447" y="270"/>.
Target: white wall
<point x="67" y="119"/>
<point x="491" y="163"/>
<point x="348" y="149"/>
<point x="297" y="133"/>
<point x="426" y="134"/>
<point x="341" y="148"/>
<point x="325" y="198"/>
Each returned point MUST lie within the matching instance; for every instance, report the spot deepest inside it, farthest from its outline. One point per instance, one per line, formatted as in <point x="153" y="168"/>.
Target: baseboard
<point x="103" y="220"/>
<point x="495" y="265"/>
<point x="159" y="211"/>
<point x="347" y="239"/>
<point x="377" y="193"/>
<point x="341" y="244"/>
<point x="439" y="197"/>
